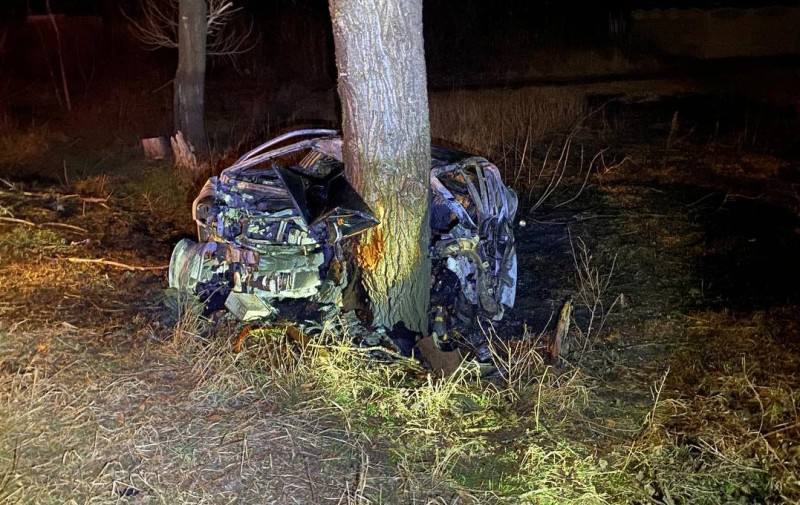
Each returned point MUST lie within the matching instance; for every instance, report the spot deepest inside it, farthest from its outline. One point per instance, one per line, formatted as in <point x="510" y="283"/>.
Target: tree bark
<point x="386" y="148"/>
<point x="188" y="97"/>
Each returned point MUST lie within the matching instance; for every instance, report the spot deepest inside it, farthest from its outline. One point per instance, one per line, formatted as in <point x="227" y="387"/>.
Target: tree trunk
<point x="189" y="100"/>
<point x="382" y="86"/>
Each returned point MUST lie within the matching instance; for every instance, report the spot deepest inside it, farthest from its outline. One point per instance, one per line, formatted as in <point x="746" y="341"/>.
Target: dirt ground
<point x="680" y="256"/>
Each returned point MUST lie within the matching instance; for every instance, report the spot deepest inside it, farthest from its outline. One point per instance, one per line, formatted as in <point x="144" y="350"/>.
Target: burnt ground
<point x="694" y="240"/>
<point x="698" y="242"/>
<point x="702" y="279"/>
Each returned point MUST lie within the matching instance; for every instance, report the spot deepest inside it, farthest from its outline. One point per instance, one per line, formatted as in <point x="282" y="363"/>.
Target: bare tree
<point x="197" y="28"/>
<point x="158" y="27"/>
<point x="382" y="86"/>
<point x="188" y="100"/>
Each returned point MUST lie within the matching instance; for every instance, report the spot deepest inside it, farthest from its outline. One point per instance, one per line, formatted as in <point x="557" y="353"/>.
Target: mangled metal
<point x="271" y="228"/>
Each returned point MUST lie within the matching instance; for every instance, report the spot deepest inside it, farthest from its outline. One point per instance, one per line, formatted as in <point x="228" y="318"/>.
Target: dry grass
<point x="493" y="122"/>
<point x="18" y="147"/>
<point x="144" y="411"/>
<point x="187" y="312"/>
<point x="711" y="449"/>
<point x="593" y="281"/>
<point x="725" y="427"/>
<point x="181" y="418"/>
<point x="532" y="134"/>
<point x="438" y="432"/>
<point x="151" y="428"/>
<point x="107" y="397"/>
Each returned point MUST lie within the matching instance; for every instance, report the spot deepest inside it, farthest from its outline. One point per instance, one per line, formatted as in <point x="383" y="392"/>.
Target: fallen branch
<point x="37" y="225"/>
<point x="101" y="201"/>
<point x="17" y="221"/>
<point x="115" y="264"/>
<point x="65" y="225"/>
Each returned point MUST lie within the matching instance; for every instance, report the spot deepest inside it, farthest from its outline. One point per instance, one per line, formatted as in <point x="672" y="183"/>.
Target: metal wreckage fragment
<point x="271" y="229"/>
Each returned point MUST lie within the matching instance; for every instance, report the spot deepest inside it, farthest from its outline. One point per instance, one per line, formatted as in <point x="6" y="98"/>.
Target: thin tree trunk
<point x="382" y="86"/>
<point x="189" y="99"/>
<point x="64" y="84"/>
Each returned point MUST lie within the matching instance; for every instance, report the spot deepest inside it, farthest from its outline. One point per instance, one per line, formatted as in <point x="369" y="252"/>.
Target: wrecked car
<point x="271" y="229"/>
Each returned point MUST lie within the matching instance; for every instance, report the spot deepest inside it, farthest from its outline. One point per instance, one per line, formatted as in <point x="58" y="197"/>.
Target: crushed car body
<point x="272" y="226"/>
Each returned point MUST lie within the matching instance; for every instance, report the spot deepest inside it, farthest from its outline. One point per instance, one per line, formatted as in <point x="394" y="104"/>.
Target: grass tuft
<point x="22" y="242"/>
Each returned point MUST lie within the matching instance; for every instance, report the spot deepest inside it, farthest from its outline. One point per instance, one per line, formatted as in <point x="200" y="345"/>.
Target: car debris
<point x="271" y="229"/>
